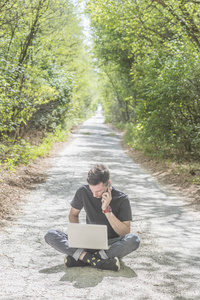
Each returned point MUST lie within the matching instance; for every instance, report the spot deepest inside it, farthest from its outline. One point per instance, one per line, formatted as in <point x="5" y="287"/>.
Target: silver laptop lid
<point x="87" y="236"/>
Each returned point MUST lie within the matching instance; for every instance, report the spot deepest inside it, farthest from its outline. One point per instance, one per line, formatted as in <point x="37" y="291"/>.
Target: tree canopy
<point x="148" y="54"/>
<point x="45" y="69"/>
<point x="43" y="62"/>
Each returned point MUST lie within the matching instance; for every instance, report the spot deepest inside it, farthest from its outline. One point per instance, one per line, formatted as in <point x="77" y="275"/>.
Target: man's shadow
<point x="88" y="276"/>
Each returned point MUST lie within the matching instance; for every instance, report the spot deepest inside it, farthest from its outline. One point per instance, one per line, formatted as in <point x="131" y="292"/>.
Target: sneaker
<point x="109" y="264"/>
<point x="97" y="255"/>
<point x="70" y="262"/>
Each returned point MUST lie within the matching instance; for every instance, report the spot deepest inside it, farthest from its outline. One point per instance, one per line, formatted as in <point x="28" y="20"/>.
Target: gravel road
<point x="166" y="266"/>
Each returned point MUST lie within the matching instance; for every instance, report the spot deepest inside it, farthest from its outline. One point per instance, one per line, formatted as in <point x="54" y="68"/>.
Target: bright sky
<point x="80" y="6"/>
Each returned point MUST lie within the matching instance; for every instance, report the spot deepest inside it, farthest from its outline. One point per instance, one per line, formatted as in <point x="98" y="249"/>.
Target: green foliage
<point x="45" y="72"/>
<point x="149" y="52"/>
<point x="22" y="151"/>
<point x="11" y="154"/>
<point x="168" y="110"/>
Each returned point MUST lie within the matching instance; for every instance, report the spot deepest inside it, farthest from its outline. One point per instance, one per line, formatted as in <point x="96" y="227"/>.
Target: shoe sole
<point x="117" y="263"/>
<point x="65" y="261"/>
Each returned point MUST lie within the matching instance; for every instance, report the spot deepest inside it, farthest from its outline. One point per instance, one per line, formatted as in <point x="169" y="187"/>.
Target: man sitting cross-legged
<point x="103" y="205"/>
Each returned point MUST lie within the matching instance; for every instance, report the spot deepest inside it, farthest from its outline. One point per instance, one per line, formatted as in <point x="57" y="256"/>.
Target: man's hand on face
<point x="106" y="198"/>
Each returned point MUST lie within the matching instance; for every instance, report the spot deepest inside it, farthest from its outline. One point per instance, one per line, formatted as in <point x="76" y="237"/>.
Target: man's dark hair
<point x="99" y="173"/>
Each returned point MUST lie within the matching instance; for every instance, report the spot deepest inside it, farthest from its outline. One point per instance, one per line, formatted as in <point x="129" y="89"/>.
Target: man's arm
<point x="74" y="215"/>
<point x="121" y="228"/>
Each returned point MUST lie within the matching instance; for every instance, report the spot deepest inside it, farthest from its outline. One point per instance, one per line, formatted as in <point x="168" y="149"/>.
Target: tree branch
<point x="190" y="31"/>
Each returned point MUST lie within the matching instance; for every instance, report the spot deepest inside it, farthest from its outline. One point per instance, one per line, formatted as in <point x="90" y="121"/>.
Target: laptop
<point x="87" y="236"/>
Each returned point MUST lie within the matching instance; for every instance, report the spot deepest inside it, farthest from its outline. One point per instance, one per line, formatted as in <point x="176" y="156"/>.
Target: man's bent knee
<point x="135" y="241"/>
<point x="50" y="235"/>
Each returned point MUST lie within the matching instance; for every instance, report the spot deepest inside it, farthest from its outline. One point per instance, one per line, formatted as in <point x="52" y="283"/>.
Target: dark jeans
<point x="118" y="247"/>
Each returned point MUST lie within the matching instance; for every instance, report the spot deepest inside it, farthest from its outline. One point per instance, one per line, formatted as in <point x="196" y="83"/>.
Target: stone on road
<point x="166" y="266"/>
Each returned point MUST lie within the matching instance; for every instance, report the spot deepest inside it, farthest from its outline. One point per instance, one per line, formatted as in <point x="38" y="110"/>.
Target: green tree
<point x="42" y="42"/>
<point x="152" y="46"/>
<point x="45" y="68"/>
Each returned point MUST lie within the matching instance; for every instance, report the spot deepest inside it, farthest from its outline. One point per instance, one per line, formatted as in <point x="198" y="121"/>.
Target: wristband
<point x="108" y="209"/>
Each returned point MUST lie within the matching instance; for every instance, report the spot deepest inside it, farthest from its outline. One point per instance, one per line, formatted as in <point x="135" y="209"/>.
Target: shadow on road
<point x="88" y="276"/>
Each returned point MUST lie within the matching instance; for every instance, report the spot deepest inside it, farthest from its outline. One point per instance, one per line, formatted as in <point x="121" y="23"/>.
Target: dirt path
<point x="167" y="264"/>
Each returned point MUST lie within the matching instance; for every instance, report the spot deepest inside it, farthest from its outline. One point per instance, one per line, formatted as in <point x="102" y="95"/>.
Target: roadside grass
<point x="180" y="162"/>
<point x="182" y="165"/>
<point x="26" y="150"/>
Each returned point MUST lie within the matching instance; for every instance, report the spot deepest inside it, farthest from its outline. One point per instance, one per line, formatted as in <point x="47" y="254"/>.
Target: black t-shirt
<point x="120" y="205"/>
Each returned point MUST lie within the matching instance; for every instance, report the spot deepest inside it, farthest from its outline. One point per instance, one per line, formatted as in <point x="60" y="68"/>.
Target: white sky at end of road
<point x="80" y="7"/>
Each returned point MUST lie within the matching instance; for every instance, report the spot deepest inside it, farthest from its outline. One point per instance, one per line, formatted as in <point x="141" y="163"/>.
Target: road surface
<point x="166" y="266"/>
